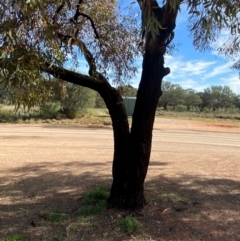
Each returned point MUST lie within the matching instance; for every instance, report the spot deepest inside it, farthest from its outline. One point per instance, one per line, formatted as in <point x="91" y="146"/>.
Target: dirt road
<point x="199" y="161"/>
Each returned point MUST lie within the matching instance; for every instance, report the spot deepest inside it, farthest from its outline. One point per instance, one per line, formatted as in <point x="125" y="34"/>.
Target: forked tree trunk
<point x="132" y="156"/>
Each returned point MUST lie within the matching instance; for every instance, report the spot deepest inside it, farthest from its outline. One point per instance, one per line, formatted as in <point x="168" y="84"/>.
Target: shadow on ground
<point x="185" y="208"/>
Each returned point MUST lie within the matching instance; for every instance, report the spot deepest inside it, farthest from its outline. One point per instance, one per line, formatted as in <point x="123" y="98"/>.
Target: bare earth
<point x="192" y="186"/>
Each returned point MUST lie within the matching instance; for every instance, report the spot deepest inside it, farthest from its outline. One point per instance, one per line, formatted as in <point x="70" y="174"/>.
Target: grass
<point x="171" y="197"/>
<point x="129" y="225"/>
<point x="82" y="222"/>
<point x="100" y="117"/>
<point x="95" y="202"/>
<point x="15" y="237"/>
<point x="56" y="217"/>
<point x="220" y="116"/>
<point x="58" y="237"/>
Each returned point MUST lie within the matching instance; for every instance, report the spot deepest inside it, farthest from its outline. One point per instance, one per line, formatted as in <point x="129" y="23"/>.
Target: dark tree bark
<point x="130" y="168"/>
<point x="165" y="106"/>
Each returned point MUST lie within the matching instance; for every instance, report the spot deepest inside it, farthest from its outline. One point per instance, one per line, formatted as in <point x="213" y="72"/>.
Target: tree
<point x="127" y="90"/>
<point x="4" y="94"/>
<point x="75" y="99"/>
<point x="191" y="99"/>
<point x="37" y="37"/>
<point x="172" y="94"/>
<point x="237" y="101"/>
<point x="218" y="96"/>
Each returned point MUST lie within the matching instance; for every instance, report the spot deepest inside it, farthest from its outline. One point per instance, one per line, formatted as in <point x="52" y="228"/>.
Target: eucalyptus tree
<point x="191" y="99"/>
<point x="45" y="37"/>
<point x="172" y="94"/>
<point x="217" y="97"/>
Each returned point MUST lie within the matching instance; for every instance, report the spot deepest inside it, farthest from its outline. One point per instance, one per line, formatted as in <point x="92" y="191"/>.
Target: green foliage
<point x="206" y="110"/>
<point x="15" y="237"/>
<point x="92" y="208"/>
<point x="213" y="98"/>
<point x="99" y="102"/>
<point x="172" y="94"/>
<point x="127" y="90"/>
<point x="217" y="97"/>
<point x="76" y="100"/>
<point x="36" y="35"/>
<point x="50" y="110"/>
<point x="208" y="18"/>
<point x="56" y="217"/>
<point x="237" y="101"/>
<point x="97" y="194"/>
<point x="180" y="108"/>
<point x="95" y="202"/>
<point x="191" y="99"/>
<point x="129" y="224"/>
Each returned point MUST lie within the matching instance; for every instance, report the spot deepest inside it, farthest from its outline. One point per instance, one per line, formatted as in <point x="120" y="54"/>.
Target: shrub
<point x="180" y="108"/>
<point x="76" y="100"/>
<point x="49" y="110"/>
<point x="206" y="110"/>
<point x="129" y="224"/>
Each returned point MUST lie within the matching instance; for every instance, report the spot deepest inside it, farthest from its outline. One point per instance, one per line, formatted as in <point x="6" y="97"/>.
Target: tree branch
<point x="59" y="9"/>
<point x="73" y="77"/>
<point x="78" y="13"/>
<point x="74" y="40"/>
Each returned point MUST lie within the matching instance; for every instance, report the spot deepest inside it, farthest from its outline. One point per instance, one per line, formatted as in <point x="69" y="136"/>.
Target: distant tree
<point x="172" y="94"/>
<point x="127" y="90"/>
<point x="236" y="101"/>
<point x="217" y="97"/>
<point x="191" y="99"/>
<point x="4" y="94"/>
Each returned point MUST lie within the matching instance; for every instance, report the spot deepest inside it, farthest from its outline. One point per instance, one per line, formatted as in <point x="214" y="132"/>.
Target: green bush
<point x="49" y="110"/>
<point x="76" y="100"/>
<point x="206" y="110"/>
<point x="129" y="224"/>
<point x="180" y="108"/>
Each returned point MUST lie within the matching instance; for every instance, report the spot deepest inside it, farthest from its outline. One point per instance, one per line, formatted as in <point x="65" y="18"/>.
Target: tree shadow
<point x="184" y="208"/>
<point x="195" y="208"/>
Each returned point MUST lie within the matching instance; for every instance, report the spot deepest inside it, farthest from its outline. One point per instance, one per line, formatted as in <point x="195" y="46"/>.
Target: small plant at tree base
<point x="95" y="202"/>
<point x="129" y="224"/>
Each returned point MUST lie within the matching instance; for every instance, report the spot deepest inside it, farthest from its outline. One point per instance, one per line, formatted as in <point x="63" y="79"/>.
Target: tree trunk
<point x="165" y="106"/>
<point x="131" y="160"/>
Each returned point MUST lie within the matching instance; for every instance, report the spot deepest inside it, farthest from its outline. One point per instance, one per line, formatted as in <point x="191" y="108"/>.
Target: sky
<point x="193" y="69"/>
<point x="189" y="67"/>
